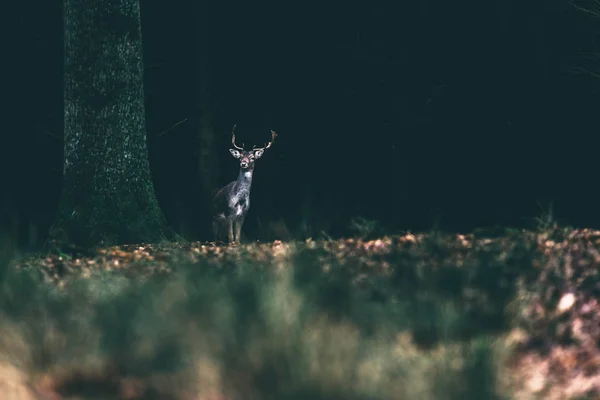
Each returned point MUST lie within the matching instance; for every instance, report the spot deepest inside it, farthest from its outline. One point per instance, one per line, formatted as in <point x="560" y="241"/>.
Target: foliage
<point x="434" y="316"/>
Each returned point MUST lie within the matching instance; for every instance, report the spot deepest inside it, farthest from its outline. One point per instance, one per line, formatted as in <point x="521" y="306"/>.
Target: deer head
<point x="247" y="157"/>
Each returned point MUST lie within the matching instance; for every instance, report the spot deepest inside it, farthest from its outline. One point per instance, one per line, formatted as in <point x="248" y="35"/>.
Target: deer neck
<point x="244" y="180"/>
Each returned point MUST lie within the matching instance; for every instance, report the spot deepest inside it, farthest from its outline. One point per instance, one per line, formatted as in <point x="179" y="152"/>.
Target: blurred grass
<point x="393" y="318"/>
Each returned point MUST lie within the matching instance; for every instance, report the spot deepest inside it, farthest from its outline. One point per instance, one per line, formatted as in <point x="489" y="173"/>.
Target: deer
<point x="232" y="202"/>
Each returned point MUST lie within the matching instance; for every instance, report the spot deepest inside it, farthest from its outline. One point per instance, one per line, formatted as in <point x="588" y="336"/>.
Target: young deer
<point x="231" y="202"/>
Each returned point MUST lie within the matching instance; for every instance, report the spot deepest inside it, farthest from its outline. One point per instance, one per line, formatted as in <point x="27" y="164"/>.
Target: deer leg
<point x="238" y="229"/>
<point x="230" y="229"/>
<point x="215" y="230"/>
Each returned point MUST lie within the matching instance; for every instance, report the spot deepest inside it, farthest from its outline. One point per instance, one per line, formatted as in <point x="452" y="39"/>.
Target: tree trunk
<point x="207" y="158"/>
<point x="208" y="165"/>
<point x="108" y="195"/>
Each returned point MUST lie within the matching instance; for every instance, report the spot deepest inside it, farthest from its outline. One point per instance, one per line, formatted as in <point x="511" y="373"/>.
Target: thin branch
<point x="173" y="127"/>
<point x="54" y="135"/>
<point x="594" y="12"/>
<point x="156" y="65"/>
<point x="581" y="70"/>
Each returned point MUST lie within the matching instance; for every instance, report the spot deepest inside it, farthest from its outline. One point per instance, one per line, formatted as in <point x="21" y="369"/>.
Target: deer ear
<point x="234" y="153"/>
<point x="258" y="154"/>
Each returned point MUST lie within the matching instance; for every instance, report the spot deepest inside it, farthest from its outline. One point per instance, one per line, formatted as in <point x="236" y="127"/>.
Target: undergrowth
<point x="392" y="318"/>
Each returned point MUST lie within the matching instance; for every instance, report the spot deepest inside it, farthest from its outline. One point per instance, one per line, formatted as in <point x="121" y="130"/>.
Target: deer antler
<point x="267" y="145"/>
<point x="233" y="139"/>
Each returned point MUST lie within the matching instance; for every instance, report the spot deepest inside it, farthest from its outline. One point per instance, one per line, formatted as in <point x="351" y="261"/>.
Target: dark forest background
<point x="460" y="114"/>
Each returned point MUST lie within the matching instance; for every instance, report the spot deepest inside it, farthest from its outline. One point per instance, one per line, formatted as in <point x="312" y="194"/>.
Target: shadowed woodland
<point x="422" y="227"/>
<point x="465" y="114"/>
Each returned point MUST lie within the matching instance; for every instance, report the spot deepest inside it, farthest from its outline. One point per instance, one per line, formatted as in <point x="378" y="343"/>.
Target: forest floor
<point x="513" y="315"/>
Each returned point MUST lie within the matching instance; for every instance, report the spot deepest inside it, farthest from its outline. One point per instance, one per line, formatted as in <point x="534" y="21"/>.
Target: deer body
<point x="232" y="202"/>
<point x="230" y="205"/>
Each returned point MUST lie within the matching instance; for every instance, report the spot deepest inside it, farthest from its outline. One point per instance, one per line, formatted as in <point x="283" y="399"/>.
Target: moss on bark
<point x="108" y="195"/>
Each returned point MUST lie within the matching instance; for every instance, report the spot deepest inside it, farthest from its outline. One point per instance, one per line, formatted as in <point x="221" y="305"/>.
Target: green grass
<point x="412" y="317"/>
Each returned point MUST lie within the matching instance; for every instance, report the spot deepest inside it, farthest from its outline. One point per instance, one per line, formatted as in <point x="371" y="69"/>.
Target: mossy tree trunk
<point x="108" y="195"/>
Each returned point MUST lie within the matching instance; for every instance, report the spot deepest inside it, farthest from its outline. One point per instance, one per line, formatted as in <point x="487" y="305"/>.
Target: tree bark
<point x="108" y="195"/>
<point x="208" y="164"/>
